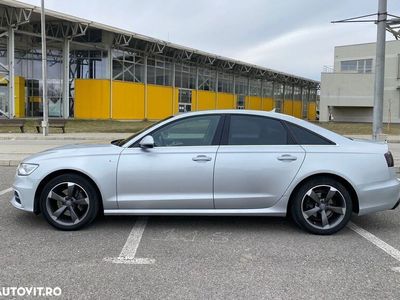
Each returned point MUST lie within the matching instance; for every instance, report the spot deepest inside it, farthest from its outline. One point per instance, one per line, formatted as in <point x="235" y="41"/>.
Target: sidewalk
<point x="15" y="147"/>
<point x="63" y="136"/>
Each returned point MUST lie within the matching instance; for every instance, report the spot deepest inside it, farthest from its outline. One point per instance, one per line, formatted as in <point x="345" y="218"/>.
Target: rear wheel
<point x="69" y="202"/>
<point x="321" y="206"/>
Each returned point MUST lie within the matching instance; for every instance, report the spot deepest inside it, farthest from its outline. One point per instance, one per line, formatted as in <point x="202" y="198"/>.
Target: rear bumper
<point x="379" y="196"/>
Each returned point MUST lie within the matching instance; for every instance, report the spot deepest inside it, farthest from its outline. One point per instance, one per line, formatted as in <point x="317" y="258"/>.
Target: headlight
<point x="26" y="169"/>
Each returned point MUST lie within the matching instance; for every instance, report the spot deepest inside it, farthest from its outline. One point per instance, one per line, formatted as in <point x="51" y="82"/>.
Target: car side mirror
<point x="147" y="142"/>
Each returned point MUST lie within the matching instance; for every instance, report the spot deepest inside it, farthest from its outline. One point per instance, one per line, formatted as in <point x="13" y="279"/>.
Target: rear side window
<point x="255" y="130"/>
<point x="306" y="137"/>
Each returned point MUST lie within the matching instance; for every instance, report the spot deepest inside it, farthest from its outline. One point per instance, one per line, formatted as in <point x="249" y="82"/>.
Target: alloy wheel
<point x="67" y="203"/>
<point x="323" y="207"/>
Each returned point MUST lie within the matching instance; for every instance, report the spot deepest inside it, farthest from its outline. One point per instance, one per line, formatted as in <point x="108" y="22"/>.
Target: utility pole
<point x="45" y="122"/>
<point x="377" y="119"/>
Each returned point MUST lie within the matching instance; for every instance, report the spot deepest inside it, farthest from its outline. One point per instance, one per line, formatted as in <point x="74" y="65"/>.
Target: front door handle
<point x="287" y="157"/>
<point x="201" y="158"/>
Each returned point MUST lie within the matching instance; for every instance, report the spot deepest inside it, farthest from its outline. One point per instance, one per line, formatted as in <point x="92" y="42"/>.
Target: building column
<point x="234" y="92"/>
<point x="145" y="89"/>
<point x="11" y="73"/>
<point x="109" y="73"/>
<point x="173" y="88"/>
<point x="216" y="89"/>
<point x="197" y="88"/>
<point x="248" y="94"/>
<point x="65" y="86"/>
<point x="262" y="94"/>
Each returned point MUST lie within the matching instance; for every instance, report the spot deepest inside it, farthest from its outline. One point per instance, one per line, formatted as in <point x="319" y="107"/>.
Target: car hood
<point x="75" y="150"/>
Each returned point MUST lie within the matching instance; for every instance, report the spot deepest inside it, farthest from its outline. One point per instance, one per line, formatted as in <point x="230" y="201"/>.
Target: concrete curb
<point x="9" y="162"/>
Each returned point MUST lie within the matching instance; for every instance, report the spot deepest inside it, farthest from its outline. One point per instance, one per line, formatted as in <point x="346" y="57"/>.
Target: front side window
<point x="255" y="130"/>
<point x="195" y="131"/>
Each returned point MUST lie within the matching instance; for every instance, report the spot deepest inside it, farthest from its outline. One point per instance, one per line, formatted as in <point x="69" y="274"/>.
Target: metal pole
<point x="66" y="79"/>
<point x="11" y="73"/>
<point x="45" y="122"/>
<point x="379" y="70"/>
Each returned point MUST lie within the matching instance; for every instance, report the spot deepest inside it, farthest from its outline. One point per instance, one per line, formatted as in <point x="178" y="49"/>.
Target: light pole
<point x="377" y="119"/>
<point x="45" y="122"/>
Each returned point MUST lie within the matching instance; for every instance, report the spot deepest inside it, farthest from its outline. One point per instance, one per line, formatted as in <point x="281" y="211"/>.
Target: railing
<point x="328" y="69"/>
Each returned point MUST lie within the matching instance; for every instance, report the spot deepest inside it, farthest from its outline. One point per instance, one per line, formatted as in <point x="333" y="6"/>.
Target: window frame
<point x="216" y="140"/>
<point x="227" y="125"/>
<point x="286" y="123"/>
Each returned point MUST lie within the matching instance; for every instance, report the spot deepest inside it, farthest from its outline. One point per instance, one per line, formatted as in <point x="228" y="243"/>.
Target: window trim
<point x="216" y="138"/>
<point x="329" y="142"/>
<point x="226" y="130"/>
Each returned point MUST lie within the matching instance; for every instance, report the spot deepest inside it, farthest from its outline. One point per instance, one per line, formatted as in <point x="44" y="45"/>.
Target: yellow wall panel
<point x="226" y="101"/>
<point x="127" y="100"/>
<point x="19" y="99"/>
<point x="159" y="102"/>
<point x="206" y="100"/>
<point x="297" y="108"/>
<point x="268" y="104"/>
<point x="288" y="107"/>
<point x="312" y="111"/>
<point x="92" y="99"/>
<point x="253" y="102"/>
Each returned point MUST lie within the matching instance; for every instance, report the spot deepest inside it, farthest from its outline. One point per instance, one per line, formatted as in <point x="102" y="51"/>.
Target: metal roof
<point x="127" y="39"/>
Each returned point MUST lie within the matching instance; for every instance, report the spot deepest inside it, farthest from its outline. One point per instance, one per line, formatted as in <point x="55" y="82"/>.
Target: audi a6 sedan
<point x="225" y="162"/>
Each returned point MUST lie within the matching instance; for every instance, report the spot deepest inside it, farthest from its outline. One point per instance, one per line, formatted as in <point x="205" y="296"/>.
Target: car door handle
<point x="287" y="157"/>
<point x="201" y="158"/>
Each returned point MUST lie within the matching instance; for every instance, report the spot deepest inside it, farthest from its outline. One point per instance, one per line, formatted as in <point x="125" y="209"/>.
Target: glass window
<point x="267" y="88"/>
<point x="356" y="66"/>
<point x="306" y="137"/>
<point x="195" y="131"/>
<point x="241" y="85"/>
<point x="225" y="83"/>
<point x="254" y="130"/>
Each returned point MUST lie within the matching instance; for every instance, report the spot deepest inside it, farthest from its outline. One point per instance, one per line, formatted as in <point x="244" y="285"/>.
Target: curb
<point x="9" y="162"/>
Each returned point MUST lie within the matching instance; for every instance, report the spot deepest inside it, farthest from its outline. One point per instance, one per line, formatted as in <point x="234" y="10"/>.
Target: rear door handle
<point x="287" y="157"/>
<point x="201" y="158"/>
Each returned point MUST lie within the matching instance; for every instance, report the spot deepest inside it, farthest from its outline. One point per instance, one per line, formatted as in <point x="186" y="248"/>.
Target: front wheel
<point x="69" y="202"/>
<point x="321" y="206"/>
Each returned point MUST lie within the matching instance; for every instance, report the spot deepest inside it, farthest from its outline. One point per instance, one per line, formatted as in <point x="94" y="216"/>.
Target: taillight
<point x="389" y="159"/>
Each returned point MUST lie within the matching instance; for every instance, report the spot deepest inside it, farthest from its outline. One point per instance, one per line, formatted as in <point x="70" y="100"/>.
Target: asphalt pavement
<point x="198" y="257"/>
<point x="192" y="257"/>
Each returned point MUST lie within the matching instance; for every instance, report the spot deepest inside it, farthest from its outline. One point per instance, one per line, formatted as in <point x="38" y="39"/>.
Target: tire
<point x="321" y="206"/>
<point x="69" y="202"/>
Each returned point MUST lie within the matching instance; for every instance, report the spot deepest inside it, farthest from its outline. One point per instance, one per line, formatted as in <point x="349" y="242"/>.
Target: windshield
<point x="124" y="141"/>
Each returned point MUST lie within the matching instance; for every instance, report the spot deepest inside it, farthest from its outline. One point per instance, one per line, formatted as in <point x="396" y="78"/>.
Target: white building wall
<point x="349" y="96"/>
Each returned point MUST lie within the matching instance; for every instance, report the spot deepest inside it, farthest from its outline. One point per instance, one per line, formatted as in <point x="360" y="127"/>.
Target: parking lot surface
<point x="198" y="257"/>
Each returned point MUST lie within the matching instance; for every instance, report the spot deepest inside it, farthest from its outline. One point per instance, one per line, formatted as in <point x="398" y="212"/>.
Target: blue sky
<point x="288" y="35"/>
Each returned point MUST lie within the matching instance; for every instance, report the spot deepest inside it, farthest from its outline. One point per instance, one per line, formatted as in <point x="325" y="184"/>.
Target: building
<point x="99" y="72"/>
<point x="347" y="90"/>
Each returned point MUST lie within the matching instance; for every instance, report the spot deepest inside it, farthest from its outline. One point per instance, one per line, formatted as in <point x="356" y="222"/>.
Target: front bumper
<point x="396" y="205"/>
<point x="24" y="192"/>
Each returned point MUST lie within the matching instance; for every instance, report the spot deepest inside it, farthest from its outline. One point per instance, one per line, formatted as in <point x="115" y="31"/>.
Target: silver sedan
<point x="225" y="162"/>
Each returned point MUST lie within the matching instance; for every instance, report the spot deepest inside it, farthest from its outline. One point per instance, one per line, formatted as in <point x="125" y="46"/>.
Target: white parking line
<point x="393" y="252"/>
<point x="5" y="191"/>
<point x="128" y="253"/>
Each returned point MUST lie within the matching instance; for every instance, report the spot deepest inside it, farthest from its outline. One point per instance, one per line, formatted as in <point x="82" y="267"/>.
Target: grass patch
<point x="358" y="128"/>
<point x="134" y="126"/>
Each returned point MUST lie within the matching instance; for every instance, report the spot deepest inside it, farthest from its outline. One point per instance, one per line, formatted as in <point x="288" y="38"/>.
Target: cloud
<point x="305" y="51"/>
